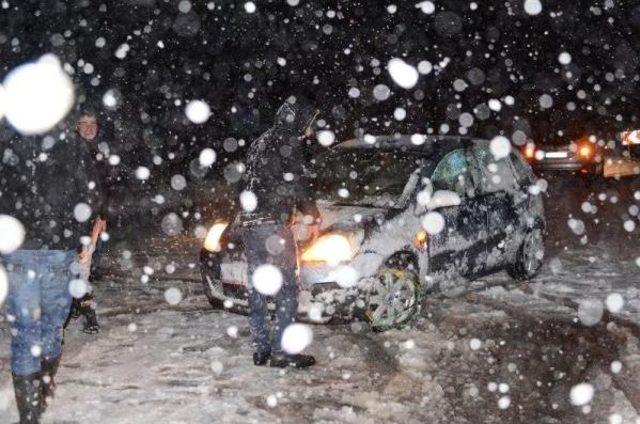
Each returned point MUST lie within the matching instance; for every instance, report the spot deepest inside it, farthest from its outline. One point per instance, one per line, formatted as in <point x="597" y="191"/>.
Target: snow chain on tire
<point x="410" y="304"/>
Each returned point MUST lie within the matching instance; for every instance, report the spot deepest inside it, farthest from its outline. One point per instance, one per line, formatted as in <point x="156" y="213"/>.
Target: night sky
<point x="244" y="64"/>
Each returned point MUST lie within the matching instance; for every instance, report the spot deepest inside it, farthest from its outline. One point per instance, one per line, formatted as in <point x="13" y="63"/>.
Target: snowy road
<point x="500" y="353"/>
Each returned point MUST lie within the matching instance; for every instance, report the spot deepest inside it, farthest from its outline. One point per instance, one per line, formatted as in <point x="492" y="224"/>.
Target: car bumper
<point x="228" y="280"/>
<point x="567" y="165"/>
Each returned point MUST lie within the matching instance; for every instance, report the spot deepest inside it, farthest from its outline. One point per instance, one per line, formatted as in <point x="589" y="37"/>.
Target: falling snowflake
<point x="564" y="58"/>
<point x="267" y="279"/>
<point x="296" y="338"/>
<point x="326" y="138"/>
<point x="403" y="74"/>
<point x="78" y="288"/>
<point x="614" y="302"/>
<point x="248" y="201"/>
<point x="178" y="182"/>
<point x="82" y="212"/>
<point x="13" y="233"/>
<point x="427" y="7"/>
<point x="143" y="173"/>
<point x="590" y="311"/>
<point x="581" y="394"/>
<point x="250" y="7"/>
<point x="173" y="296"/>
<point x="197" y="111"/>
<point x="532" y="7"/>
<point x="475" y="344"/>
<point x="37" y="95"/>
<point x="500" y="147"/>
<point x="433" y="223"/>
<point x="232" y="331"/>
<point x="207" y="157"/>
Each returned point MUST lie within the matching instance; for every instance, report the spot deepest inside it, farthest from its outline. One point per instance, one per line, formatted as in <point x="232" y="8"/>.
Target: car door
<point x="497" y="187"/>
<point x="459" y="247"/>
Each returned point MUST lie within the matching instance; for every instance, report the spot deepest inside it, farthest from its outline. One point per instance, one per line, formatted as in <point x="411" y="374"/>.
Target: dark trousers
<point x="97" y="256"/>
<point x="271" y="244"/>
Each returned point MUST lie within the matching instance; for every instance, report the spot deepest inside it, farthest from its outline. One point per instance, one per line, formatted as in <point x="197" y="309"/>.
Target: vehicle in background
<point x="401" y="216"/>
<point x="583" y="156"/>
<point x="624" y="159"/>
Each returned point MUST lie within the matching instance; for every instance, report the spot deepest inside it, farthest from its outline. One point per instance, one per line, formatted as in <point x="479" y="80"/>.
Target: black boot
<point x="28" y="397"/>
<point x="49" y="371"/>
<point x="282" y="360"/>
<point x="91" y="325"/>
<point x="260" y="357"/>
<point x="95" y="275"/>
<point x="76" y="308"/>
<point x="88" y="311"/>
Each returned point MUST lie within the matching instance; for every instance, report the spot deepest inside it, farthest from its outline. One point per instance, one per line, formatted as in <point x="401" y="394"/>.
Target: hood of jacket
<point x="295" y="117"/>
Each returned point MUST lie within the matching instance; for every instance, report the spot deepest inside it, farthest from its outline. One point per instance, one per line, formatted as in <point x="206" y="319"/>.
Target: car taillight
<point x="585" y="151"/>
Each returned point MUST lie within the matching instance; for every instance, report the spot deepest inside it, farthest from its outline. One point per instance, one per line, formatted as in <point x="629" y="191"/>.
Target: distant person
<point x="96" y="134"/>
<point x="275" y="175"/>
<point x="88" y="129"/>
<point x="48" y="183"/>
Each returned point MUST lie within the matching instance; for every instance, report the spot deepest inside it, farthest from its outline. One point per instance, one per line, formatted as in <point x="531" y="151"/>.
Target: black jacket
<point x="276" y="169"/>
<point x="108" y="175"/>
<point x="43" y="179"/>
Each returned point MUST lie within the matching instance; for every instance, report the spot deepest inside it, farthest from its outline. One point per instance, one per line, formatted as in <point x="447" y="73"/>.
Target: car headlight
<point x="212" y="242"/>
<point x="331" y="248"/>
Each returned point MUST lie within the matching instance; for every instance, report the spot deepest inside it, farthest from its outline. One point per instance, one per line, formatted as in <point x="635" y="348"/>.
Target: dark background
<point x="228" y="58"/>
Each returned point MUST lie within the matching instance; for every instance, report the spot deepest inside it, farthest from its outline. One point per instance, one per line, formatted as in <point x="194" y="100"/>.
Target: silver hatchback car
<point x="401" y="216"/>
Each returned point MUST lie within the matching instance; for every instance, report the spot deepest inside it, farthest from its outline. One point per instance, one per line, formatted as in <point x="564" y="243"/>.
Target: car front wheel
<point x="394" y="298"/>
<point x="529" y="258"/>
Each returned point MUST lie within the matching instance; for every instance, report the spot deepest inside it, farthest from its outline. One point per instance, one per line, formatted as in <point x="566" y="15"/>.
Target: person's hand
<point x="85" y="256"/>
<point x="313" y="232"/>
<point x="99" y="227"/>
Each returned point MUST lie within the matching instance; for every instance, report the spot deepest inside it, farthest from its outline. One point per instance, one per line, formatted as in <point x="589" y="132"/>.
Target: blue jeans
<point x="255" y="239"/>
<point x="38" y="304"/>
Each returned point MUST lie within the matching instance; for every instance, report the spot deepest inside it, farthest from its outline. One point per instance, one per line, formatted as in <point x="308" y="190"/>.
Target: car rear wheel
<point x="529" y="258"/>
<point x="394" y="298"/>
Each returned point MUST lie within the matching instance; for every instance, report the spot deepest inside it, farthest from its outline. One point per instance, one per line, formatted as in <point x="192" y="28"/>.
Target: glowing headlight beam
<point x="212" y="242"/>
<point x="332" y="249"/>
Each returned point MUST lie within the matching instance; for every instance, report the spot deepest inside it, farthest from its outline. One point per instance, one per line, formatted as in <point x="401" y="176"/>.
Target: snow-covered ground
<point x="501" y="352"/>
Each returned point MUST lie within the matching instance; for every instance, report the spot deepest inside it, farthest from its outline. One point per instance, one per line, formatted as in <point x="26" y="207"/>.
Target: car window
<point x="524" y="173"/>
<point x="495" y="175"/>
<point x="452" y="173"/>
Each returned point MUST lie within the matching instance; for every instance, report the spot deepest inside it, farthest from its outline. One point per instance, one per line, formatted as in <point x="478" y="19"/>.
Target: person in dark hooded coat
<point x="49" y="191"/>
<point x="276" y="190"/>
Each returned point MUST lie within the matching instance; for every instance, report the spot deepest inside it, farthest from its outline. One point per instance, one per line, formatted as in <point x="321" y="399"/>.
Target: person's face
<point x="308" y="133"/>
<point x="87" y="127"/>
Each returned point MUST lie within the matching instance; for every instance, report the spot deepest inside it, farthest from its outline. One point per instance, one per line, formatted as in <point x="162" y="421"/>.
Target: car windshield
<point x="365" y="178"/>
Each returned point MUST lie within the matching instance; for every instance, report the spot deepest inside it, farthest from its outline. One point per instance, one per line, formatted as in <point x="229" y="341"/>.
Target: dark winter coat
<point x="43" y="179"/>
<point x="100" y="148"/>
<point x="276" y="169"/>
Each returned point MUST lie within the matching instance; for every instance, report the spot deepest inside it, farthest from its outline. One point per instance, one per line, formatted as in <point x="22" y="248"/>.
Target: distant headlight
<point x="212" y="242"/>
<point x="331" y="248"/>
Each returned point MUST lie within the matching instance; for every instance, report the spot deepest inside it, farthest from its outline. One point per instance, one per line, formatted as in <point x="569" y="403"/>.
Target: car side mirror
<point x="440" y="199"/>
<point x="443" y="199"/>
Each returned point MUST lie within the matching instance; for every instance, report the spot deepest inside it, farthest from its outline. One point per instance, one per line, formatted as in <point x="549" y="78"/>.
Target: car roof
<point x="403" y="142"/>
